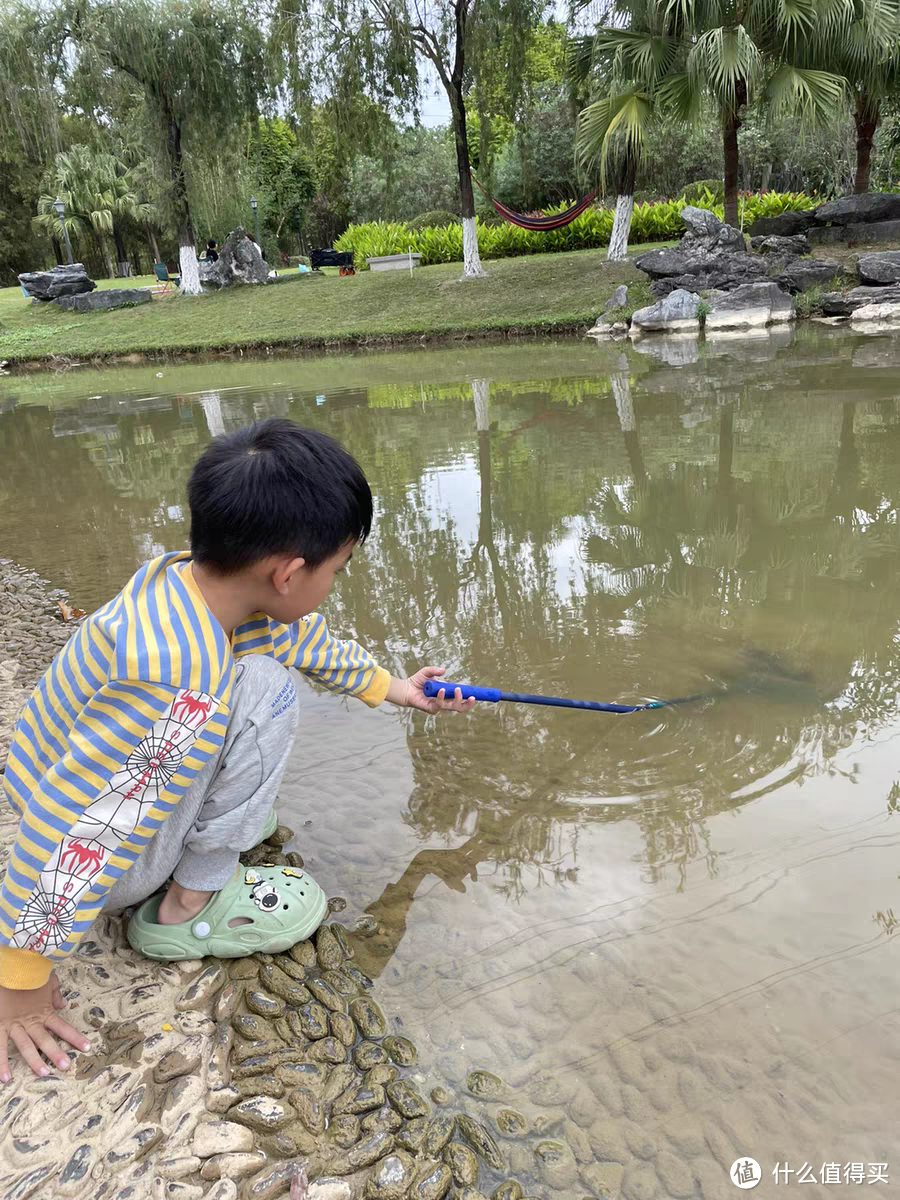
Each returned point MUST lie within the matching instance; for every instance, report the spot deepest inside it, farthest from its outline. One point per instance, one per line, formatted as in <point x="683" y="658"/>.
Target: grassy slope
<point x="539" y="291"/>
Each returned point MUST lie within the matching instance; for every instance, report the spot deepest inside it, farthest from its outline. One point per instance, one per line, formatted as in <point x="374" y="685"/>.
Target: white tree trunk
<point x="618" y="241"/>
<point x="190" y="271"/>
<point x="621" y="390"/>
<point x="211" y="403"/>
<point x="471" y="258"/>
<point x="481" y="390"/>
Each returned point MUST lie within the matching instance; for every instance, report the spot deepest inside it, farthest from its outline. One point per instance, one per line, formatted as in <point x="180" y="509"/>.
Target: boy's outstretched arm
<point x="409" y="693"/>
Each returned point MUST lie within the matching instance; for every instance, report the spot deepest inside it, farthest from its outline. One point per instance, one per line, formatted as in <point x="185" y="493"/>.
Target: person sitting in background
<point x="212" y="254"/>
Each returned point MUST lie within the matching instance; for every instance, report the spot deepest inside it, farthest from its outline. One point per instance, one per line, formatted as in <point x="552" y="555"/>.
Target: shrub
<point x="437" y="216"/>
<point x="651" y="222"/>
<point x="697" y="190"/>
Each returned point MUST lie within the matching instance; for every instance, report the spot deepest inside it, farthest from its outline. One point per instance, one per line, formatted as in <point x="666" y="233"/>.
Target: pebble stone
<point x="225" y="1189"/>
<point x="401" y="1050"/>
<point x="221" y="1137"/>
<point x="392" y="1177"/>
<point x="233" y="1166"/>
<point x="462" y="1163"/>
<point x="368" y="1017"/>
<point x="434" y="1185"/>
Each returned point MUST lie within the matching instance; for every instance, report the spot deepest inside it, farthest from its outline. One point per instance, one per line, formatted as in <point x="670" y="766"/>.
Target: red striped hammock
<point x="539" y="224"/>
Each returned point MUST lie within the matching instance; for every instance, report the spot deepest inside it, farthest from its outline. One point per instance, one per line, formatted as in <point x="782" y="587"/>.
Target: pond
<point x="668" y="933"/>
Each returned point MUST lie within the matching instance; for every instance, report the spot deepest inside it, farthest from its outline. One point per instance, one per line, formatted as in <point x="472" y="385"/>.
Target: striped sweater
<point x="119" y="726"/>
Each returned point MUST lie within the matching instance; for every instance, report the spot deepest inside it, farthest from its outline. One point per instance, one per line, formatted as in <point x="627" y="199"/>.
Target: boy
<point x="154" y="745"/>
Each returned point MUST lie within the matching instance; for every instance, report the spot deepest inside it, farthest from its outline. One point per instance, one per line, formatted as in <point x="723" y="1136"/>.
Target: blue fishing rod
<point x="494" y="696"/>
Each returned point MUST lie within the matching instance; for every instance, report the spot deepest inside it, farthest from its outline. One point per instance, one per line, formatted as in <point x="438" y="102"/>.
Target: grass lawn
<point x="536" y="293"/>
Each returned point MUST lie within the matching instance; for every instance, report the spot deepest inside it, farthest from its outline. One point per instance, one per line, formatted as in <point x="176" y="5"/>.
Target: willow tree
<point x="387" y="49"/>
<point x="198" y="66"/>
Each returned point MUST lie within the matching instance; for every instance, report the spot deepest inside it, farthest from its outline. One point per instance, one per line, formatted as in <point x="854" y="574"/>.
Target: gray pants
<point x="225" y="810"/>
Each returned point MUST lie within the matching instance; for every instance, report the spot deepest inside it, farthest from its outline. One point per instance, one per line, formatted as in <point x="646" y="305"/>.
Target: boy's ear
<point x="283" y="573"/>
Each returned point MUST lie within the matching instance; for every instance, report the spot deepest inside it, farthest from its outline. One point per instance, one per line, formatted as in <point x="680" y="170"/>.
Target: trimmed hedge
<point x="658" y="222"/>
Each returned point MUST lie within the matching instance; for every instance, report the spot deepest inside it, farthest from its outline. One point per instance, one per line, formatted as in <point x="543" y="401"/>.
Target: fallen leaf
<point x="69" y="613"/>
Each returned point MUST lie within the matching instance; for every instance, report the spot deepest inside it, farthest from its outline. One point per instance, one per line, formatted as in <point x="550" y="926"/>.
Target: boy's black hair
<point x="275" y="488"/>
<point x="211" y="243"/>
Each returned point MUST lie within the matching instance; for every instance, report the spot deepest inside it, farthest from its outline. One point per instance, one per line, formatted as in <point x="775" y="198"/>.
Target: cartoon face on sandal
<point x="266" y="896"/>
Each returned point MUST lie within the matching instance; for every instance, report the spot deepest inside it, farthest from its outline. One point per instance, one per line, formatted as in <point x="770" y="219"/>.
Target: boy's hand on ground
<point x="414" y="696"/>
<point x="29" y="1019"/>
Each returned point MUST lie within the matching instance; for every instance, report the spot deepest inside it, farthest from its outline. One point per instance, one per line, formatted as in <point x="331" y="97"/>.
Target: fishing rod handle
<point x="433" y="686"/>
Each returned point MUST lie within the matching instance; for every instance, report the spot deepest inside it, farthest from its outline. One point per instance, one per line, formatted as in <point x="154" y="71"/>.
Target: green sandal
<point x="283" y="905"/>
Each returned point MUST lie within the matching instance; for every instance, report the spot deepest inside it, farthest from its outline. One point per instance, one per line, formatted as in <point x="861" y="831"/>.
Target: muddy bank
<point x="213" y="1080"/>
<point x="297" y="347"/>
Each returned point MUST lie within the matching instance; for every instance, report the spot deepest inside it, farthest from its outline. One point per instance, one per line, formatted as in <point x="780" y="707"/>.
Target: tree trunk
<point x="731" y="126"/>
<point x="58" y="252"/>
<point x="472" y="267"/>
<point x="866" y="117"/>
<point x="121" y="249"/>
<point x="151" y="238"/>
<point x="618" y="239"/>
<point x="187" y="250"/>
<point x="103" y="243"/>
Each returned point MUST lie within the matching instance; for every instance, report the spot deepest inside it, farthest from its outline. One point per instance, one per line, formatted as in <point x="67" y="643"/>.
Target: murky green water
<point x="670" y="933"/>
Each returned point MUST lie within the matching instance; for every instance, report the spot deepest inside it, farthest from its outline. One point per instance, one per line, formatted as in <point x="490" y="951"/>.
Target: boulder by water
<point x="840" y="304"/>
<point x="880" y="268"/>
<point x="710" y="255"/>
<point x="802" y="273"/>
<point x="240" y="261"/>
<point x="66" y="280"/>
<point x="679" y="311"/>
<point x="751" y="306"/>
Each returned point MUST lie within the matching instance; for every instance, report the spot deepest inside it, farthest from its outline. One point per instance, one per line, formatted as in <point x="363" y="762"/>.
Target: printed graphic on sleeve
<point x="46" y="919"/>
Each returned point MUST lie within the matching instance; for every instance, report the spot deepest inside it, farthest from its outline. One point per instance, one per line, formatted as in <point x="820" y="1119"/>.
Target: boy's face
<point x="299" y="589"/>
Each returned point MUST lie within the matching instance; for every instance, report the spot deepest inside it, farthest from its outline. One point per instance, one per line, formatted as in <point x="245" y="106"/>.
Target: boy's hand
<point x="409" y="693"/>
<point x="28" y="1018"/>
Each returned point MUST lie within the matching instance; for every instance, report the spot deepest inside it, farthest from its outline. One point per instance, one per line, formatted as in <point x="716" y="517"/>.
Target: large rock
<point x="240" y="261"/>
<point x="59" y="281"/>
<point x="786" y="224"/>
<point x="677" y="311"/>
<point x="109" y="298"/>
<point x="863" y="209"/>
<point x="881" y="268"/>
<point x="710" y="255"/>
<point x="798" y="243"/>
<point x="855" y="234"/>
<point x="876" y="317"/>
<point x="840" y="304"/>
<point x="751" y="306"/>
<point x="805" y="273"/>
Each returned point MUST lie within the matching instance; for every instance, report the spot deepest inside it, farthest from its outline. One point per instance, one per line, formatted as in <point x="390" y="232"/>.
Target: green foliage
<point x="703" y="188"/>
<point x="437" y="216"/>
<point x="415" y="173"/>
<point x="809" y="302"/>
<point x="657" y="222"/>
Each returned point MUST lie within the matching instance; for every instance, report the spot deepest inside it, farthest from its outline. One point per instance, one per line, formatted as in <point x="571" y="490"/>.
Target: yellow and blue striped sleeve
<point x="340" y="666"/>
<point x="130" y="755"/>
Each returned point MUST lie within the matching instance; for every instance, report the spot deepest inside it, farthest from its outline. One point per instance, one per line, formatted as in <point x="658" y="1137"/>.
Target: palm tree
<point x="868" y="56"/>
<point x="97" y="191"/>
<point x="636" y="67"/>
<point x="664" y="58"/>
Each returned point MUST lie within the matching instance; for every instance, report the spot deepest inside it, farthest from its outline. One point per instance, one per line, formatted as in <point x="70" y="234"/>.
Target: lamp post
<point x="60" y="210"/>
<point x="254" y="204"/>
